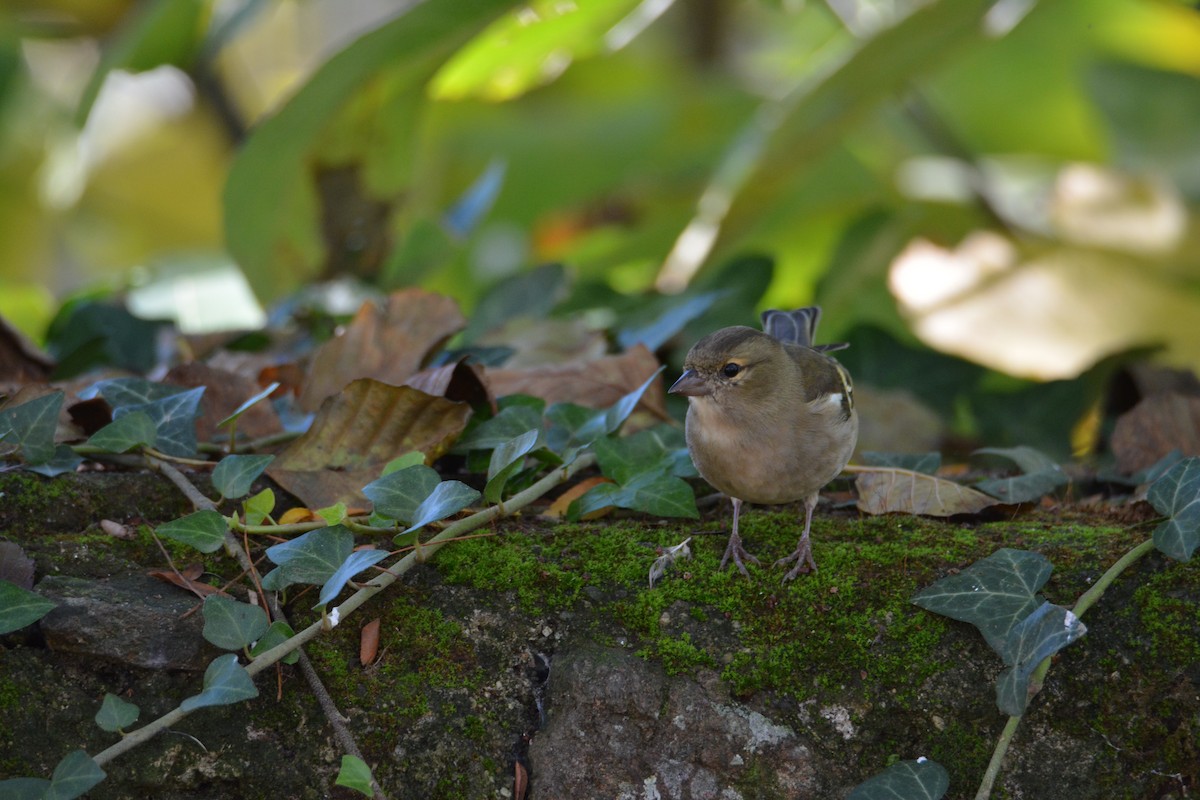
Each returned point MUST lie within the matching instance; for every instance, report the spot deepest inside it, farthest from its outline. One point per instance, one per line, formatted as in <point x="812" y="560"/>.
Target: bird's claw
<point x="803" y="557"/>
<point x="735" y="551"/>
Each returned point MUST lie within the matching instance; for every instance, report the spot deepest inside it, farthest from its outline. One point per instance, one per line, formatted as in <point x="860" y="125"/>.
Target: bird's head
<point x="737" y="361"/>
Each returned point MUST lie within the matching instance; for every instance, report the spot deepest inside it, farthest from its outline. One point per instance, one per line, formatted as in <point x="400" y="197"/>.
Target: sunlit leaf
<point x="1177" y="495"/>
<point x="20" y="607"/>
<point x="225" y="682"/>
<point x="234" y="474"/>
<point x="204" y="530"/>
<point x="74" y="775"/>
<point x="398" y="494"/>
<point x="1048" y="629"/>
<point x="921" y="779"/>
<point x="135" y="429"/>
<point x="355" y="774"/>
<point x="403" y="462"/>
<point x="447" y="499"/>
<point x="259" y="507"/>
<point x="358" y="561"/>
<point x="115" y="714"/>
<point x="314" y="556"/>
<point x="31" y="425"/>
<point x="993" y="594"/>
<point x="232" y="625"/>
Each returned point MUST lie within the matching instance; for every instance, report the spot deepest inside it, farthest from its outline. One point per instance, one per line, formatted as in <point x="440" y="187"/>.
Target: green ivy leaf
<point x="73" y="776"/>
<point x="314" y="556"/>
<point x="276" y="580"/>
<point x="531" y="293"/>
<point x="257" y="508"/>
<point x="334" y="514"/>
<point x="128" y="393"/>
<point x="993" y="594"/>
<point x="654" y="493"/>
<point x="24" y="788"/>
<point x="921" y="779"/>
<point x="659" y="448"/>
<point x="234" y="474"/>
<point x="126" y="432"/>
<point x="1027" y="459"/>
<point x="358" y="561"/>
<point x="619" y="411"/>
<point x="399" y="494"/>
<point x="510" y="421"/>
<point x="277" y="634"/>
<point x="670" y="321"/>
<point x="447" y="499"/>
<point x="1177" y="495"/>
<point x="926" y="463"/>
<point x="225" y="682"/>
<point x="1024" y="488"/>
<point x="1043" y="633"/>
<point x="174" y="419"/>
<point x="20" y="607"/>
<point x="244" y="407"/>
<point x="31" y="425"/>
<point x="204" y="530"/>
<point x="115" y="714"/>
<point x="507" y="459"/>
<point x="356" y="775"/>
<point x="232" y="625"/>
<point x="415" y="458"/>
<point x="64" y="460"/>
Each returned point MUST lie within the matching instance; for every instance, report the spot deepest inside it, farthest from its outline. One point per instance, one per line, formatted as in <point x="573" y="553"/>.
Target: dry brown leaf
<point x="886" y="490"/>
<point x="1154" y="427"/>
<point x="458" y="381"/>
<point x="295" y="515"/>
<point x="388" y="344"/>
<point x="368" y="642"/>
<point x="558" y="509"/>
<point x="597" y="384"/>
<point x="21" y="360"/>
<point x="224" y="391"/>
<point x="186" y="578"/>
<point x="520" y="781"/>
<point x="359" y="430"/>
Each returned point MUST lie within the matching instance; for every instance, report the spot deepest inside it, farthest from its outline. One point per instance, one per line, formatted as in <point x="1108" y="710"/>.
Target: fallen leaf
<point x="368" y="642"/>
<point x="596" y="384"/>
<point x="883" y="490"/>
<point x="538" y="342"/>
<point x="520" y="781"/>
<point x="1154" y="427"/>
<point x="186" y="578"/>
<point x="294" y="515"/>
<point x="387" y="344"/>
<point x="224" y="392"/>
<point x="21" y="360"/>
<point x="460" y="382"/>
<point x="357" y="432"/>
<point x="558" y="509"/>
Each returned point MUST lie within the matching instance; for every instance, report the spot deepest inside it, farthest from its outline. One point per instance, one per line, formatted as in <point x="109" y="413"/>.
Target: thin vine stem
<point x="1085" y="601"/>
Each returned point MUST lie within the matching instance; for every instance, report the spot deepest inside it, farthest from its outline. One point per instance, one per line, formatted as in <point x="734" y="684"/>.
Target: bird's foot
<point x="735" y="551"/>
<point x="803" y="557"/>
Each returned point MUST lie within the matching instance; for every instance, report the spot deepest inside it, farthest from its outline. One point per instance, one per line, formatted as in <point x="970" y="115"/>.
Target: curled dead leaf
<point x="358" y="431"/>
<point x="186" y="578"/>
<point x="887" y="490"/>
<point x="1154" y="427"/>
<point x="459" y="381"/>
<point x="520" y="781"/>
<point x="388" y="344"/>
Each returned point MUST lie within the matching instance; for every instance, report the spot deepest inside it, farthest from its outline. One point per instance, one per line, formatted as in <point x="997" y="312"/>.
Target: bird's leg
<point x="802" y="555"/>
<point x="734" y="549"/>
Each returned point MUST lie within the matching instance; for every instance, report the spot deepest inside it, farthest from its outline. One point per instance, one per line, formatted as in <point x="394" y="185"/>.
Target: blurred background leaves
<point x="995" y="202"/>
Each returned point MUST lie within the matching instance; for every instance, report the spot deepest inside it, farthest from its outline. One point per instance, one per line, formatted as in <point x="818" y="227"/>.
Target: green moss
<point x="677" y="654"/>
<point x="1167" y="607"/>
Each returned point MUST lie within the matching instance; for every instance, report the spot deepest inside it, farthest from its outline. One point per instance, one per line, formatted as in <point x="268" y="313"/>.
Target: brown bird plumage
<point x="770" y="419"/>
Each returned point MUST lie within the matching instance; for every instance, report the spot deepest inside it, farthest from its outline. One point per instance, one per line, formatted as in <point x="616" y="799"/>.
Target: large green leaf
<point x="232" y="625"/>
<point x="20" y="607"/>
<point x="656" y="493"/>
<point x="398" y="494"/>
<point x="234" y="474"/>
<point x="271" y="219"/>
<point x="506" y="460"/>
<point x="1043" y="633"/>
<point x="921" y="779"/>
<point x="658" y="449"/>
<point x="277" y="634"/>
<point x="446" y="499"/>
<point x="225" y="682"/>
<point x="1177" y="495"/>
<point x="31" y="425"/>
<point x="994" y="594"/>
<point x="135" y="429"/>
<point x="204" y="530"/>
<point x="513" y="419"/>
<point x="315" y="556"/>
<point x="73" y="776"/>
<point x="358" y="561"/>
<point x="355" y="774"/>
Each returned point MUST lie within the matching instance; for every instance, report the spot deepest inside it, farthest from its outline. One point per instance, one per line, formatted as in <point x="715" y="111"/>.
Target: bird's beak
<point x="690" y="385"/>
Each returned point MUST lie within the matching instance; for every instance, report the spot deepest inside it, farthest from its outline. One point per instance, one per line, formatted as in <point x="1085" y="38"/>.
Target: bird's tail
<point x="797" y="327"/>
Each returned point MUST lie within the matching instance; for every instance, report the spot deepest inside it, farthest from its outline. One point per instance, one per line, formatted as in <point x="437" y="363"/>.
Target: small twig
<point x="190" y="462"/>
<point x="198" y="500"/>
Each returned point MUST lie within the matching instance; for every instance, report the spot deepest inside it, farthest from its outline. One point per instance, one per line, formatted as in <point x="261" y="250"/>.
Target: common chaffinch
<point x="770" y="419"/>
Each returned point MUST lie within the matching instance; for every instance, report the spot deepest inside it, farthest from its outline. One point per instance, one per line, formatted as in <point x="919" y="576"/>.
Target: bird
<point x="770" y="419"/>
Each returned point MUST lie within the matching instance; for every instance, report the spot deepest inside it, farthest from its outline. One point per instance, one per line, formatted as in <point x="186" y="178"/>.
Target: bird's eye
<point x="731" y="369"/>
